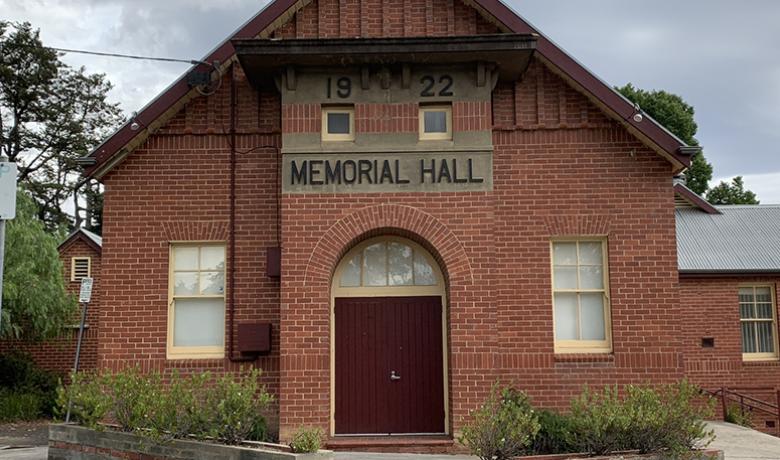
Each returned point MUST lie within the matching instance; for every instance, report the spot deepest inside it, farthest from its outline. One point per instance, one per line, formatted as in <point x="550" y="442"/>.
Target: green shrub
<point x="90" y="403"/>
<point x="737" y="415"/>
<point x="235" y="406"/>
<point x="598" y="421"/>
<point x="503" y="427"/>
<point x="306" y="440"/>
<point x="20" y="376"/>
<point x="259" y="430"/>
<point x="16" y="406"/>
<point x="555" y="434"/>
<point x="669" y="418"/>
<point x="228" y="410"/>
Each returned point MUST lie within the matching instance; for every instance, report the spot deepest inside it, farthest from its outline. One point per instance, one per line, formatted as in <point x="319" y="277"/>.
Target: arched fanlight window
<point x="387" y="263"/>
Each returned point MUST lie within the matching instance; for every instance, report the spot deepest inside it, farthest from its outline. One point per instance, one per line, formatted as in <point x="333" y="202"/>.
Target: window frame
<point x="583" y="346"/>
<point x="774" y="356"/>
<point x="328" y="137"/>
<point x="446" y="136"/>
<point x="73" y="268"/>
<point x="196" y="352"/>
<point x="387" y="291"/>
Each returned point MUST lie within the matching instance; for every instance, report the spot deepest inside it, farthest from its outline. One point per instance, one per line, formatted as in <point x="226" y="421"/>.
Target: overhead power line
<point x="127" y="56"/>
<point x="123" y="56"/>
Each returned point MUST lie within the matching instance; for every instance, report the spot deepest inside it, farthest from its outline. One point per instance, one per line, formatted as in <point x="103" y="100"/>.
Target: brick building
<point x="388" y="206"/>
<point x="80" y="255"/>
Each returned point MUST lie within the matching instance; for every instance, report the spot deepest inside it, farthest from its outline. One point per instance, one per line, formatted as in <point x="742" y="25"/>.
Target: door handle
<point x="394" y="376"/>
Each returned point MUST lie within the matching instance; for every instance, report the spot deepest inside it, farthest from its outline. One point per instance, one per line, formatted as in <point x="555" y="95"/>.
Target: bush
<point x="555" y="434"/>
<point x="503" y="427"/>
<point x="235" y="406"/>
<point x="28" y="392"/>
<point x="669" y="418"/>
<point x="89" y="401"/>
<point x="737" y="415"/>
<point x="16" y="406"/>
<point x="229" y="410"/>
<point x="598" y="421"/>
<point x="306" y="440"/>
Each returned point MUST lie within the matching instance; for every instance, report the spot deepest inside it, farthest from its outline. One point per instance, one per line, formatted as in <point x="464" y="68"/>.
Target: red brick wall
<point x="175" y="188"/>
<point x="712" y="310"/>
<point x="58" y="354"/>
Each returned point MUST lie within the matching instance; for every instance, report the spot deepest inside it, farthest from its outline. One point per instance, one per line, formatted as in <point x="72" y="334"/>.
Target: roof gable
<point x="95" y="242"/>
<point x="279" y="12"/>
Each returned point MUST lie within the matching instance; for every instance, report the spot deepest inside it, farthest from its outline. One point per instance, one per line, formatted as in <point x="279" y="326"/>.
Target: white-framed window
<point x="80" y="267"/>
<point x="196" y="316"/>
<point x="758" y="320"/>
<point x="338" y="123"/>
<point x="435" y="122"/>
<point x="580" y="281"/>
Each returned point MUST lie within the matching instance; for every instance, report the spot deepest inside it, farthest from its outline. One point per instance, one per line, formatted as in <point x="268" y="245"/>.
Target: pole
<point x="2" y="261"/>
<point x="78" y="353"/>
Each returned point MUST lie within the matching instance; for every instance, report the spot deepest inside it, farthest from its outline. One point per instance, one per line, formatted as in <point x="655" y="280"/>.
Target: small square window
<point x="436" y="123"/>
<point x="338" y="124"/>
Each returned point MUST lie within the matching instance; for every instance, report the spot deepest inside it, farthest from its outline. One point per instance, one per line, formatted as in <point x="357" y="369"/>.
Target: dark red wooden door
<point x="389" y="369"/>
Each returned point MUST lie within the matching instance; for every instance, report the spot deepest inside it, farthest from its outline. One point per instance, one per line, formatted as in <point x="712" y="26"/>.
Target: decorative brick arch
<point x="389" y="219"/>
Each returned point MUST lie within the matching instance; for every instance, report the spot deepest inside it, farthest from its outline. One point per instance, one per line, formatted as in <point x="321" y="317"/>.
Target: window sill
<point x="584" y="357"/>
<point x="183" y="356"/>
<point x="758" y="362"/>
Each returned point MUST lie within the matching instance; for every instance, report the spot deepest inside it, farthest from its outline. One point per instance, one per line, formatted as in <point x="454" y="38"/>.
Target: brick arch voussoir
<point x="401" y="220"/>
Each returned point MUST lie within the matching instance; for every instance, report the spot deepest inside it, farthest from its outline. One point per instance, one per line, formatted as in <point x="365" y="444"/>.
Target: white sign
<point x="86" y="290"/>
<point x="7" y="191"/>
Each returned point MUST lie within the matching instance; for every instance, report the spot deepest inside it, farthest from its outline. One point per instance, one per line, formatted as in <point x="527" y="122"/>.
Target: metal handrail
<point x="752" y="403"/>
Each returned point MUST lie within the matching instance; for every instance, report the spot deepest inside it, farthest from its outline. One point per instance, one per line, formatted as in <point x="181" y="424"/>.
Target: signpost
<point x="7" y="212"/>
<point x="85" y="295"/>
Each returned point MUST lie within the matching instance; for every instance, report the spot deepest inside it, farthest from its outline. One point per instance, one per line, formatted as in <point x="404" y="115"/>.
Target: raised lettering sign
<point x="385" y="173"/>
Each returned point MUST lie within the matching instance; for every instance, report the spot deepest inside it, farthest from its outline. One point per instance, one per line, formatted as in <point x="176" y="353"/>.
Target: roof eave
<point x="719" y="273"/>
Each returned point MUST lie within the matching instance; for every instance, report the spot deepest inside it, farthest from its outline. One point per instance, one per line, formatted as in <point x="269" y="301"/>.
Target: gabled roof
<point x="82" y="234"/>
<point x="742" y="239"/>
<point x="687" y="198"/>
<point x="118" y="145"/>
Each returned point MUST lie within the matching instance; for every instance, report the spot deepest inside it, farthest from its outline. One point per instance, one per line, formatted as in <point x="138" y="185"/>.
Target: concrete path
<point x="739" y="443"/>
<point x="368" y="456"/>
<point x="32" y="453"/>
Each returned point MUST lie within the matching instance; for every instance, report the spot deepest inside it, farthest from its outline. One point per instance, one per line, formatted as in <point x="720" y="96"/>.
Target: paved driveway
<point x="740" y="443"/>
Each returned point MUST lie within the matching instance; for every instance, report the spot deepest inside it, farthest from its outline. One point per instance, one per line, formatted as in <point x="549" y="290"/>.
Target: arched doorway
<point x="388" y="341"/>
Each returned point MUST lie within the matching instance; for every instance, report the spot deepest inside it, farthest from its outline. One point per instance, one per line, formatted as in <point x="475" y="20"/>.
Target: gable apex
<point x="279" y="12"/>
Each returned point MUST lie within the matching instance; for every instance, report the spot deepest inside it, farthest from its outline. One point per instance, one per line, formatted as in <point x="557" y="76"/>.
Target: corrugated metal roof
<point x="741" y="239"/>
<point x="96" y="238"/>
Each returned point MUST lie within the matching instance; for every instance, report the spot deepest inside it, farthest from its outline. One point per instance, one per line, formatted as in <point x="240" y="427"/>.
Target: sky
<point x="721" y="56"/>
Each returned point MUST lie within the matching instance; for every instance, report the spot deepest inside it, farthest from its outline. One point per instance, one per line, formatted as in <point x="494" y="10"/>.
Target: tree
<point x="733" y="193"/>
<point x="50" y="115"/>
<point x="35" y="302"/>
<point x="678" y="117"/>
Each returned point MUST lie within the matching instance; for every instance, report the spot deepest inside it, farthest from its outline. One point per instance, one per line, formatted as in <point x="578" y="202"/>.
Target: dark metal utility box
<point x="254" y="338"/>
<point x="273" y="262"/>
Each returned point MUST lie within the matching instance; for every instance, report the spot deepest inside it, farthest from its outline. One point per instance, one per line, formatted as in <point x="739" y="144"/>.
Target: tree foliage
<point x="678" y="117"/>
<point x="35" y="302"/>
<point x="50" y="115"/>
<point x="731" y="193"/>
